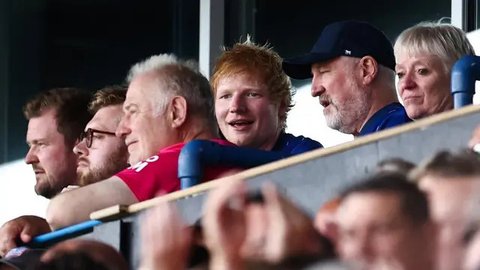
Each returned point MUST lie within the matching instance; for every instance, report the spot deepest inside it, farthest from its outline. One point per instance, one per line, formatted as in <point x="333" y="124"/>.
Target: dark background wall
<point x="92" y="43"/>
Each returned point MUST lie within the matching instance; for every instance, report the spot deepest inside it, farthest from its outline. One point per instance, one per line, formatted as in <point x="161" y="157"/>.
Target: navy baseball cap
<point x="22" y="258"/>
<point x="345" y="38"/>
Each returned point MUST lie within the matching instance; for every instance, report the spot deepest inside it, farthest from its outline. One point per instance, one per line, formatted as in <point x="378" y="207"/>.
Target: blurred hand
<point x="289" y="232"/>
<point x="224" y="225"/>
<point x="325" y="219"/>
<point x="21" y="229"/>
<point x="166" y="240"/>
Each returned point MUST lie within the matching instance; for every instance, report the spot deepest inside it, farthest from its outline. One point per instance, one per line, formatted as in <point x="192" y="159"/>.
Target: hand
<point x="21" y="229"/>
<point x="325" y="219"/>
<point x="289" y="231"/>
<point x="224" y="225"/>
<point x="166" y="240"/>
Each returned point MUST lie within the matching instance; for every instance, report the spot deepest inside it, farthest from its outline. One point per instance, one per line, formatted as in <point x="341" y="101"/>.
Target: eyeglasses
<point x="88" y="135"/>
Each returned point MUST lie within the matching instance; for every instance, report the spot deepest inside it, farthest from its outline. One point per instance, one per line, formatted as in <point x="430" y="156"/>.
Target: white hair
<point x="177" y="77"/>
<point x="152" y="63"/>
<point x="429" y="38"/>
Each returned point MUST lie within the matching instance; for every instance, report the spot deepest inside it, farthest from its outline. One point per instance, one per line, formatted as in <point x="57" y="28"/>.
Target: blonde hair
<point x="443" y="40"/>
<point x="107" y="96"/>
<point x="450" y="164"/>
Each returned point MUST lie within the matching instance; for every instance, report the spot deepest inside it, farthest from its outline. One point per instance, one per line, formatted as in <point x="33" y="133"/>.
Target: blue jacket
<point x="392" y="115"/>
<point x="294" y="145"/>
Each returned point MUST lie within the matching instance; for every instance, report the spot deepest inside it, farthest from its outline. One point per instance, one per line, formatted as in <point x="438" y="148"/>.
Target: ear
<point x="369" y="69"/>
<point x="282" y="109"/>
<point x="178" y="111"/>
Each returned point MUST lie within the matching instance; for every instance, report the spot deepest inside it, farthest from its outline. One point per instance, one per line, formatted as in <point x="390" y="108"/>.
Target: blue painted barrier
<point x="51" y="238"/>
<point x="197" y="154"/>
<point x="465" y="72"/>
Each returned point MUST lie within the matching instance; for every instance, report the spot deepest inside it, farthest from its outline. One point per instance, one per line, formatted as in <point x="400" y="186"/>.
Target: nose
<point x="365" y="250"/>
<point x="237" y="104"/>
<point x="31" y="156"/>
<point x="359" y="249"/>
<point x="123" y="127"/>
<point x="407" y="82"/>
<point x="317" y="87"/>
<point x="80" y="148"/>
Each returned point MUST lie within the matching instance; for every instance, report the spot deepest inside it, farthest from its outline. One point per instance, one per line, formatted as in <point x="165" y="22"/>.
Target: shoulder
<point x="395" y="115"/>
<point x="295" y="144"/>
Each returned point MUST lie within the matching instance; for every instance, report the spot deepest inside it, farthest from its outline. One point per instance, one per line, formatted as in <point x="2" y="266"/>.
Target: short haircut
<point x="396" y="164"/>
<point x="71" y="110"/>
<point x="460" y="163"/>
<point x="71" y="261"/>
<point x="178" y="78"/>
<point x="412" y="200"/>
<point x="107" y="96"/>
<point x="250" y="58"/>
<point x="444" y="40"/>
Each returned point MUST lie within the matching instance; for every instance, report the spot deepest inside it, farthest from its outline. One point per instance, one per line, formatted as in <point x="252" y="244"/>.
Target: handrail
<point x="198" y="154"/>
<point x="113" y="212"/>
<point x="465" y="73"/>
<point x="50" y="238"/>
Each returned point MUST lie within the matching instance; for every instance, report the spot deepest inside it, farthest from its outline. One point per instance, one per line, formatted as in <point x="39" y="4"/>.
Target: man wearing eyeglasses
<point x="100" y="153"/>
<point x="168" y="103"/>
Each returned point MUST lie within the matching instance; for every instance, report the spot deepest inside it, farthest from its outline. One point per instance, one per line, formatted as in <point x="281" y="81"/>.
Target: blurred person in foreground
<point x="240" y="230"/>
<point x="384" y="223"/>
<point x="452" y="181"/>
<point x="67" y="255"/>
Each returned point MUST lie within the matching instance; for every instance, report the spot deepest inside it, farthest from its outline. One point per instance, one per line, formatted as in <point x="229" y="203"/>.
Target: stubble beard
<point x="42" y="187"/>
<point x="113" y="164"/>
<point x="346" y="117"/>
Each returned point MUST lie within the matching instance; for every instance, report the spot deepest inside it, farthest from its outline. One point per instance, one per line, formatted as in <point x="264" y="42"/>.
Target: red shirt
<point x="159" y="173"/>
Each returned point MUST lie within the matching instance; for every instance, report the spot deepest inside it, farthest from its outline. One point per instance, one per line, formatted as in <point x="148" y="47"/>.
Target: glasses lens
<point x="89" y="137"/>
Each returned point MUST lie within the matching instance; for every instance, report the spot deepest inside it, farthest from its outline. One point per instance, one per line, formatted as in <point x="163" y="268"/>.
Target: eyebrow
<point x="35" y="141"/>
<point x="128" y="106"/>
<point x="98" y="126"/>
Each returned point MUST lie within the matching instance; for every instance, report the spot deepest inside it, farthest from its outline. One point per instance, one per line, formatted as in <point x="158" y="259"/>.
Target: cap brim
<point x="300" y="68"/>
<point x="28" y="258"/>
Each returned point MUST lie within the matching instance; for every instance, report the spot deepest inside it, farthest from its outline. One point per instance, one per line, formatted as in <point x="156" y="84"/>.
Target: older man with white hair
<point x="168" y="104"/>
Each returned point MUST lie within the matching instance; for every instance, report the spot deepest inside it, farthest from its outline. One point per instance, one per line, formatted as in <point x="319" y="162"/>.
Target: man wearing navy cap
<point x="352" y="69"/>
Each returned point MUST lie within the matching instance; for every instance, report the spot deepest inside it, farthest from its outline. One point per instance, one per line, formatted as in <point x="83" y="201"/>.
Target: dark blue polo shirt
<point x="392" y="115"/>
<point x="294" y="145"/>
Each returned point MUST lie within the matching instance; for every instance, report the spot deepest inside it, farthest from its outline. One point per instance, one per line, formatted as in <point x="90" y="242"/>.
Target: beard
<point x="53" y="180"/>
<point x="116" y="162"/>
<point x="42" y="187"/>
<point x="348" y="115"/>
